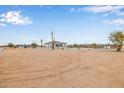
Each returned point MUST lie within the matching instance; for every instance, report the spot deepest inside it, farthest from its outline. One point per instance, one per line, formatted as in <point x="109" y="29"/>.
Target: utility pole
<point x="53" y="41"/>
<point x="41" y="42"/>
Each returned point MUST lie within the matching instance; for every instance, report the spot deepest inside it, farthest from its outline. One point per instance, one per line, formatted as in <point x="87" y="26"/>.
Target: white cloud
<point x="117" y="22"/>
<point x="15" y="17"/>
<point x="72" y="9"/>
<point x="76" y="9"/>
<point x="46" y="6"/>
<point x="2" y="25"/>
<point x="79" y="9"/>
<point x="105" y="9"/>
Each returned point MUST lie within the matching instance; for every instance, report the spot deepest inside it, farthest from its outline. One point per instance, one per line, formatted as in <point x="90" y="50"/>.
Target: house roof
<point x="55" y="42"/>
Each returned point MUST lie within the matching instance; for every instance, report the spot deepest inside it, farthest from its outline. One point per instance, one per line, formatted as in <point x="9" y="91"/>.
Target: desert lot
<point x="61" y="68"/>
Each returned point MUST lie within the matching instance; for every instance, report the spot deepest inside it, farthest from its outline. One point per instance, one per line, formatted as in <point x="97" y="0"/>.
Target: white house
<point x="57" y="44"/>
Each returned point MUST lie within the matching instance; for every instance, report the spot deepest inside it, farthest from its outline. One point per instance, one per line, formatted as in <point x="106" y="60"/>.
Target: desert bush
<point x="34" y="45"/>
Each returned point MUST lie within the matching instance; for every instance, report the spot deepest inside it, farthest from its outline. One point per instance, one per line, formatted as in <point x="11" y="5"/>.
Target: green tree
<point x="117" y="38"/>
<point x="34" y="45"/>
<point x="75" y="45"/>
<point x="94" y="45"/>
<point x="10" y="45"/>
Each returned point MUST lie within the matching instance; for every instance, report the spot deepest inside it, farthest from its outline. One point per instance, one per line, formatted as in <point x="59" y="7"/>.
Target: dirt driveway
<point x="61" y="68"/>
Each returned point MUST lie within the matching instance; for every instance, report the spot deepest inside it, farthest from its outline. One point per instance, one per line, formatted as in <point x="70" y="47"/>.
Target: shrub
<point x="34" y="45"/>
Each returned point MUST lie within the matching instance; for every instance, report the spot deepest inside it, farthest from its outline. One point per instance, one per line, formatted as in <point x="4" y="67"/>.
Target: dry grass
<point x="47" y="68"/>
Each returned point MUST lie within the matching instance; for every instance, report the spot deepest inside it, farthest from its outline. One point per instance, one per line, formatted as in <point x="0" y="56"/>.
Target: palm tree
<point x="117" y="38"/>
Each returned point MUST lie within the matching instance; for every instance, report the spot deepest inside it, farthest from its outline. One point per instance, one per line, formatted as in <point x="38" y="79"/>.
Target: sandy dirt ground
<point x="61" y="68"/>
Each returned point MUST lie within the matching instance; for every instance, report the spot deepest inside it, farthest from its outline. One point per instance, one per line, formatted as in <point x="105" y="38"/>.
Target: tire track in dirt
<point x="60" y="69"/>
<point x="56" y="59"/>
<point x="2" y="52"/>
<point x="26" y="67"/>
<point x="39" y="77"/>
<point x="72" y="69"/>
<point x="10" y="78"/>
<point x="1" y="55"/>
<point x="59" y="72"/>
<point x="59" y="58"/>
<point x="5" y="80"/>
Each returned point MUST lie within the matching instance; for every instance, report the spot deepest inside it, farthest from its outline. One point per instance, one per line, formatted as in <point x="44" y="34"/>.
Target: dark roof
<point x="55" y="42"/>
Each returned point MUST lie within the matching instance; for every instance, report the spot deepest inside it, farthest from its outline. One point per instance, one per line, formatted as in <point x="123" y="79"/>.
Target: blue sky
<point x="71" y="24"/>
